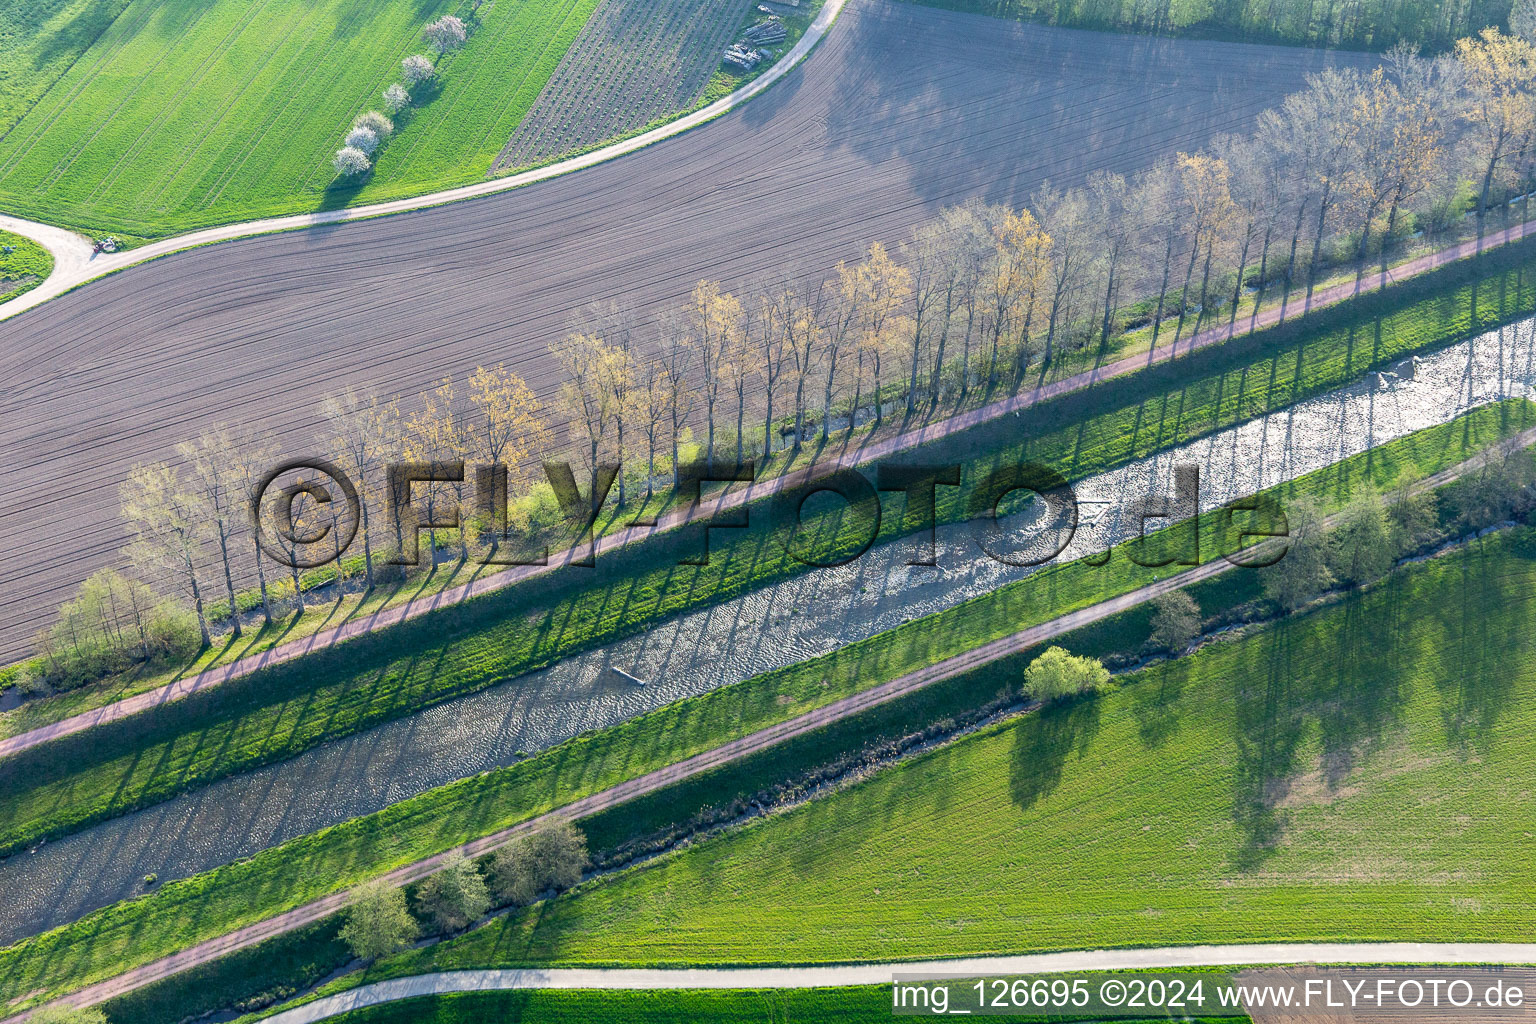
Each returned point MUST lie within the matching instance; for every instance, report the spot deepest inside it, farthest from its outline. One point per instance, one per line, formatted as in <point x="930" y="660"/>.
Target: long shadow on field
<point x="1066" y="102"/>
<point x="1334" y="674"/>
<point x="1042" y="744"/>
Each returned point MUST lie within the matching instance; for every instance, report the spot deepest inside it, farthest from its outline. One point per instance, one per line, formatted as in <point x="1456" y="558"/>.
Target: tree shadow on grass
<point x="1043" y="742"/>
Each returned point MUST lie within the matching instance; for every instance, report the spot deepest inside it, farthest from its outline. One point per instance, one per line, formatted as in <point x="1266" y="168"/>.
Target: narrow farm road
<point x="698" y="764"/>
<point x="70" y="271"/>
<point x="1159" y="958"/>
<point x="734" y="498"/>
<point x="71" y="253"/>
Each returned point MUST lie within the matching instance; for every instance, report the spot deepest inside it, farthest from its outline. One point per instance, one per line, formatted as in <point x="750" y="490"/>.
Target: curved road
<point x="903" y="109"/>
<point x="75" y="263"/>
<point x="1165" y="957"/>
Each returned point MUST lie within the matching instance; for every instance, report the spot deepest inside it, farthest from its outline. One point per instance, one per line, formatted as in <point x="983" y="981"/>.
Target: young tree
<point x="252" y="455"/>
<point x="445" y="35"/>
<point x="453" y="897"/>
<point x="1208" y="201"/>
<point x="396" y="98"/>
<point x="1056" y="674"/>
<point x="216" y="481"/>
<point x="1175" y="621"/>
<point x="884" y="287"/>
<point x="1160" y="215"/>
<point x="1302" y="572"/>
<point x="363" y="139"/>
<point x="585" y="397"/>
<point x="1362" y="548"/>
<point x="837" y="339"/>
<point x="375" y="122"/>
<point x="678" y="357"/>
<point x="509" y="428"/>
<point x="416" y="69"/>
<point x="553" y="858"/>
<point x="1114" y="225"/>
<point x="350" y="162"/>
<point x="365" y="435"/>
<point x="927" y="256"/>
<point x="653" y="404"/>
<point x="772" y="353"/>
<point x="168" y="520"/>
<point x="715" y="329"/>
<point x="377" y="922"/>
<point x="1063" y="216"/>
<point x="437" y="432"/>
<point x="798" y="311"/>
<point x="1497" y="71"/>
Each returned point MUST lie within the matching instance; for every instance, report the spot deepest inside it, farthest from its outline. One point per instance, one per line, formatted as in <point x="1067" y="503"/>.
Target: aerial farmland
<point x="748" y="510"/>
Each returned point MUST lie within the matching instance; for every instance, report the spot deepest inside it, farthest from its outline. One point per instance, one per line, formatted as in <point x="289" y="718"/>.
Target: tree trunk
<point x="197" y="605"/>
<point x="1162" y="292"/>
<point x="1109" y="300"/>
<point x="261" y="580"/>
<point x="1317" y="245"/>
<point x="229" y="581"/>
<point x="1189" y="274"/>
<point x="1205" y="280"/>
<point x="1290" y="263"/>
<point x="1253" y="320"/>
<point x="1237" y="289"/>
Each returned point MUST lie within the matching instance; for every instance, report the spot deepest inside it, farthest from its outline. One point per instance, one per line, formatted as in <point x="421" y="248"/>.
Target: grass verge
<point x="26" y="266"/>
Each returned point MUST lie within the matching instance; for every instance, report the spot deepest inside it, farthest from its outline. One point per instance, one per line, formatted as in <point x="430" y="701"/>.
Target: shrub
<point x="364" y="139"/>
<point x="453" y="897"/>
<point x="1362" y="546"/>
<point x="396" y="98"/>
<point x="417" y="69"/>
<point x="111" y="624"/>
<point x="551" y="859"/>
<point x="375" y="122"/>
<point x="1175" y="621"/>
<point x="68" y="1015"/>
<point x="377" y="922"/>
<point x="1056" y="674"/>
<point x="351" y="162"/>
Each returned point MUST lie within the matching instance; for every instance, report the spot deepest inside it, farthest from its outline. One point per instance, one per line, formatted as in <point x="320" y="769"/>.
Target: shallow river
<point x="694" y="653"/>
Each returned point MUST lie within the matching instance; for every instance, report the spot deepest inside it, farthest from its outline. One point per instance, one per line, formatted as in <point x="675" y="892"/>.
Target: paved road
<point x="1165" y="957"/>
<point x="902" y="109"/>
<point x="75" y="262"/>
<point x="691" y="767"/>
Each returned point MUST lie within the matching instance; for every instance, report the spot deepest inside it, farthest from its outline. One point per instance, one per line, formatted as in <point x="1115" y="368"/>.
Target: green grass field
<point x="1358" y="773"/>
<point x="39" y="40"/>
<point x="278" y="712"/>
<point x="864" y="1005"/>
<point x="24" y="268"/>
<point x="184" y="113"/>
<point x="190" y="910"/>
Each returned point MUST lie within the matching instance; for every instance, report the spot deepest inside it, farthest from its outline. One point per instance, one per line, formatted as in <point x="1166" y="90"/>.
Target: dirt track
<point x="902" y="110"/>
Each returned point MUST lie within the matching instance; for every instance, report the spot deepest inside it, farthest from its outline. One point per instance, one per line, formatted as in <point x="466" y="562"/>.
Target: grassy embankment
<point x="24" y="268"/>
<point x="278" y="712"/>
<point x="1358" y="773"/>
<point x="862" y="1005"/>
<point x="188" y="911"/>
<point x="182" y="114"/>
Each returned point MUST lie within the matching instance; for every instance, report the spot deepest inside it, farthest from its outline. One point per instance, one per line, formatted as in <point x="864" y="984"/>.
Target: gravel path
<point x="902" y="109"/>
<point x="1157" y="958"/>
